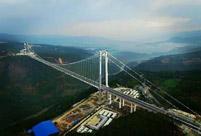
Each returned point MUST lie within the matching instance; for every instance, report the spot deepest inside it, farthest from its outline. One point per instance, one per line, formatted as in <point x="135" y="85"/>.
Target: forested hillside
<point x="30" y="91"/>
<point x="183" y="85"/>
<point x="140" y="123"/>
<point x="180" y="62"/>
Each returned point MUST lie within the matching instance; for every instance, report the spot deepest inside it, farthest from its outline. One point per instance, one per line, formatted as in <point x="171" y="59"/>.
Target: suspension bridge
<point x="94" y="72"/>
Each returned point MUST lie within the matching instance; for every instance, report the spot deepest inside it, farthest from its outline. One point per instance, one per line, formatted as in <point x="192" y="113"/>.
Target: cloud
<point x="162" y="3"/>
<point x="116" y="29"/>
<point x="116" y="19"/>
<point x="184" y="29"/>
<point x="100" y="4"/>
<point x="12" y="1"/>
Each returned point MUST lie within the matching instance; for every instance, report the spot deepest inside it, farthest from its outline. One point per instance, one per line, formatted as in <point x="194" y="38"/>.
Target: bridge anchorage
<point x="90" y="71"/>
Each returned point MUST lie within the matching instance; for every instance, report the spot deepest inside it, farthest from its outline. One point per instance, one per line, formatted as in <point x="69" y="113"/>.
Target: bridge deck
<point x="140" y="103"/>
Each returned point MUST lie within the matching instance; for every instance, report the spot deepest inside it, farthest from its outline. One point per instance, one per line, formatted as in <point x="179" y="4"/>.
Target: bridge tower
<point x="27" y="48"/>
<point x="105" y="55"/>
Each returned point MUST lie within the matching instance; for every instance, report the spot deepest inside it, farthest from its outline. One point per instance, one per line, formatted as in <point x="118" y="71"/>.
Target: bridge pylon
<point x="105" y="55"/>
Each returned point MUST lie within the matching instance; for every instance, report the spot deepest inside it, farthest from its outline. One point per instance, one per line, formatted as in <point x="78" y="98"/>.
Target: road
<point x="134" y="100"/>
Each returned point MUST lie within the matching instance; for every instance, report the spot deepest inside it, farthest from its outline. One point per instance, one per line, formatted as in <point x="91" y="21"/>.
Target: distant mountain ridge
<point x="179" y="62"/>
<point x="183" y="41"/>
<point x="79" y="41"/>
<point x="195" y="40"/>
<point x="186" y="49"/>
<point x="187" y="37"/>
<point x="130" y="57"/>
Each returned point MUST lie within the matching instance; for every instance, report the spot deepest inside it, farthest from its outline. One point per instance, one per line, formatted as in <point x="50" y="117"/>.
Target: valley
<point x="27" y="87"/>
<point x="40" y="93"/>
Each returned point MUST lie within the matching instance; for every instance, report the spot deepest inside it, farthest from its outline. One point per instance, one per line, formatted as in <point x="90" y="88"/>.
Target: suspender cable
<point x="155" y="86"/>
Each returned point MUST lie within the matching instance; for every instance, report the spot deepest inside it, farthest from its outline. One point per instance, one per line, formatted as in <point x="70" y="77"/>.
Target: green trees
<point x="140" y="123"/>
<point x="28" y="87"/>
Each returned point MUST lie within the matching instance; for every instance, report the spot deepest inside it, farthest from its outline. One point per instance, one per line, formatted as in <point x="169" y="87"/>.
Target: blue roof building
<point x="45" y="128"/>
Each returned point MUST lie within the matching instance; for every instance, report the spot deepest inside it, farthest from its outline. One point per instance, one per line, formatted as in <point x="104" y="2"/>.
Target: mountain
<point x="98" y="43"/>
<point x="82" y="41"/>
<point x="196" y="33"/>
<point x="194" y="40"/>
<point x="51" y="53"/>
<point x="182" y="85"/>
<point x="30" y="91"/>
<point x="179" y="62"/>
<point x="130" y="57"/>
<point x="185" y="49"/>
<point x="91" y="43"/>
<point x="140" y="123"/>
<point x="187" y="37"/>
<point x="180" y="43"/>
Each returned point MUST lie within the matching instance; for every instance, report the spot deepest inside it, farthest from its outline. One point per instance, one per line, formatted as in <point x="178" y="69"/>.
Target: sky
<point x="130" y="20"/>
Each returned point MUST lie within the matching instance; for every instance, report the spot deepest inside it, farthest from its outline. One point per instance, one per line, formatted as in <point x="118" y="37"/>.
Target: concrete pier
<point x="135" y="106"/>
<point x="110" y="98"/>
<point x="131" y="107"/>
<point x="123" y="103"/>
<point x="120" y="103"/>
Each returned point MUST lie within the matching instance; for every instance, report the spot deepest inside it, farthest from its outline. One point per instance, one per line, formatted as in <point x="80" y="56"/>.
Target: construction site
<point x="109" y="103"/>
<point x="89" y="115"/>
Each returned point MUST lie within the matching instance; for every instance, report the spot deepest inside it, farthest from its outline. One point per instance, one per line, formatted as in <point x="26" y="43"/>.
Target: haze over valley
<point x="109" y="67"/>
